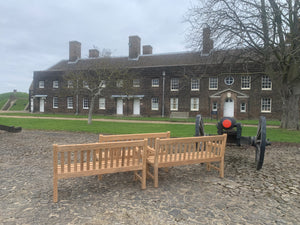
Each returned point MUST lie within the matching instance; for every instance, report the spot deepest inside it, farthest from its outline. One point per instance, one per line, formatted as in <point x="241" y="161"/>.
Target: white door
<point x="136" y="106"/>
<point x="42" y="105"/>
<point x="119" y="106"/>
<point x="228" y="108"/>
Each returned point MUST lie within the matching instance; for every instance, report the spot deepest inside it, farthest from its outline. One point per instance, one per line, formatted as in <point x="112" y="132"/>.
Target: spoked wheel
<point x="199" y="126"/>
<point x="260" y="143"/>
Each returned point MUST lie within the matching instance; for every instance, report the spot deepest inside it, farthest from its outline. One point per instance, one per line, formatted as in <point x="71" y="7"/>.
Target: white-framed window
<point x="85" y="84"/>
<point x="213" y="83"/>
<point x="246" y="82"/>
<point x="136" y="83"/>
<point x="194" y="104"/>
<point x="214" y="106"/>
<point x="70" y="102"/>
<point x="70" y="84"/>
<point x="101" y="103"/>
<point x="243" y="107"/>
<point x="55" y="102"/>
<point x="174" y="84"/>
<point x="120" y="83"/>
<point x="174" y="104"/>
<point x="55" y="84"/>
<point x="85" y="104"/>
<point x="195" y="84"/>
<point x="103" y="83"/>
<point x="266" y="83"/>
<point x="154" y="103"/>
<point x="266" y="105"/>
<point x="41" y="84"/>
<point x="229" y="80"/>
<point x="155" y="82"/>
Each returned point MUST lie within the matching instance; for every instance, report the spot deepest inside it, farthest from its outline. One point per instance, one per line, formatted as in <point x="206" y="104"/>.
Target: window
<point x="215" y="106"/>
<point x="119" y="83"/>
<point x="174" y="104"/>
<point x="245" y="82"/>
<point x="195" y="84"/>
<point x="70" y="102"/>
<point x="55" y="84"/>
<point x="101" y="103"/>
<point x="154" y="103"/>
<point x="136" y="83"/>
<point x="103" y="84"/>
<point x="174" y="84"/>
<point x="213" y="83"/>
<point x="70" y="84"/>
<point x="85" y="84"/>
<point x="55" y="102"/>
<point x="243" y="107"/>
<point x="194" y="104"/>
<point x="266" y="104"/>
<point x="155" y="82"/>
<point x="41" y="84"/>
<point x="85" y="103"/>
<point x="266" y="83"/>
<point x="229" y="80"/>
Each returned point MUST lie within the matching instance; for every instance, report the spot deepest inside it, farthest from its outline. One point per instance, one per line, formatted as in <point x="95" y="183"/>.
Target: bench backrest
<point x="85" y="158"/>
<point x="130" y="137"/>
<point x="190" y="148"/>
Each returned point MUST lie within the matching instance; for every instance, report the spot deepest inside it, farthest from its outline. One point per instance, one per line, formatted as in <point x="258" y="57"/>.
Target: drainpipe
<point x="77" y="99"/>
<point x="163" y="97"/>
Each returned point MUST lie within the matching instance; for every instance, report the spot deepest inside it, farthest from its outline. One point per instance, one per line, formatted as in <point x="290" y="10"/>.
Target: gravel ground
<point x="186" y="195"/>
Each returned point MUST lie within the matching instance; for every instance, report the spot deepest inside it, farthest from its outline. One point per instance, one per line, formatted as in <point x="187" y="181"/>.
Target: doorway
<point x="119" y="106"/>
<point x="136" y="106"/>
<point x="228" y="108"/>
<point x="42" y="105"/>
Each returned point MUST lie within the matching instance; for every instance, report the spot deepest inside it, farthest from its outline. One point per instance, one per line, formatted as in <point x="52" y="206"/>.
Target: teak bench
<point x="185" y="151"/>
<point x="99" y="158"/>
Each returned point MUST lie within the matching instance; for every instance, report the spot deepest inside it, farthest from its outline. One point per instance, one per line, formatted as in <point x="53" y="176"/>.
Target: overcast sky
<point x="35" y="34"/>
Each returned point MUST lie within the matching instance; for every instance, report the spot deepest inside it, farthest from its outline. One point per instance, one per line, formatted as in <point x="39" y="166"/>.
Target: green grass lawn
<point x="177" y="130"/>
<point x="19" y="105"/>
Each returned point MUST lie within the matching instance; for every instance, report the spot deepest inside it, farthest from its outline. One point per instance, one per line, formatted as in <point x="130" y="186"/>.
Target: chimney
<point x="93" y="53"/>
<point x="74" y="51"/>
<point x="134" y="47"/>
<point x="208" y="44"/>
<point x="147" y="50"/>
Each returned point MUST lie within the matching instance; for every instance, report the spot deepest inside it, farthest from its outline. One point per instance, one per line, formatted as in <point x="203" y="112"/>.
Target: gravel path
<point x="186" y="195"/>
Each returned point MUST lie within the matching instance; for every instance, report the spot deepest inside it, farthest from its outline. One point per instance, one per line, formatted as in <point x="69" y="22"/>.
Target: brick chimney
<point x="147" y="50"/>
<point x="93" y="53"/>
<point x="208" y="44"/>
<point x="134" y="47"/>
<point x="74" y="51"/>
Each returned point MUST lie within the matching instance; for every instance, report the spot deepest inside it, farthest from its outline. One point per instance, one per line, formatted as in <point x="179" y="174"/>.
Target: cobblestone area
<point x="186" y="195"/>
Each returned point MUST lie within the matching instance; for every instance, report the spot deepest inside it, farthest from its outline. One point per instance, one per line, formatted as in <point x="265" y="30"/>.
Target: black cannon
<point x="11" y="129"/>
<point x="233" y="130"/>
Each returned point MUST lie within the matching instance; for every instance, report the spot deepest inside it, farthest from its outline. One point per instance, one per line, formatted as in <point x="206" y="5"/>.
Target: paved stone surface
<point x="186" y="195"/>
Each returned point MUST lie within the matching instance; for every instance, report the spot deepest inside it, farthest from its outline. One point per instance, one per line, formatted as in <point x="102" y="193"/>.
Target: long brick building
<point x="208" y="82"/>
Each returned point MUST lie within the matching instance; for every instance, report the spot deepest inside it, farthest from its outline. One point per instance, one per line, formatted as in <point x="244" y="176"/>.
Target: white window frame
<point x="174" y="104"/>
<point x="245" y="82"/>
<point x="214" y="106"/>
<point x="55" y="84"/>
<point x="213" y="83"/>
<point x="229" y="80"/>
<point x="155" y="82"/>
<point x="41" y="84"/>
<point x="103" y="85"/>
<point x="55" y="103"/>
<point x="243" y="107"/>
<point x="70" y="102"/>
<point x="266" y="105"/>
<point x="102" y="103"/>
<point x="136" y="82"/>
<point x="70" y="84"/>
<point x="195" y="84"/>
<point x="154" y="104"/>
<point x="85" y="84"/>
<point x="194" y="104"/>
<point x="85" y="103"/>
<point x="174" y="84"/>
<point x="266" y="83"/>
<point x="120" y="83"/>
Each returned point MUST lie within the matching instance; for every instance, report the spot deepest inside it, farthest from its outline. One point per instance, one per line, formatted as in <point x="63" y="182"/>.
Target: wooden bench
<point x="79" y="160"/>
<point x="186" y="151"/>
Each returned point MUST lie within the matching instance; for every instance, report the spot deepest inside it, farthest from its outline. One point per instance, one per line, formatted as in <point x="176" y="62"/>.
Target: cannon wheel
<point x="199" y="126"/>
<point x="260" y="142"/>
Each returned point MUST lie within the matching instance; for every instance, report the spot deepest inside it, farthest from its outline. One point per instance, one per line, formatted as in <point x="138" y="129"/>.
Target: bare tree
<point x="267" y="31"/>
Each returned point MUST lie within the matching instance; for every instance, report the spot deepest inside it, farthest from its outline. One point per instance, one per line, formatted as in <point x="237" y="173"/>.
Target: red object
<point x="226" y="123"/>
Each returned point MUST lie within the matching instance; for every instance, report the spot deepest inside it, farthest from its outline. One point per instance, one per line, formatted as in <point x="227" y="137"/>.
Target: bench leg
<point x="156" y="176"/>
<point x="222" y="168"/>
<point x="100" y="177"/>
<point x="55" y="191"/>
<point x="208" y="166"/>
